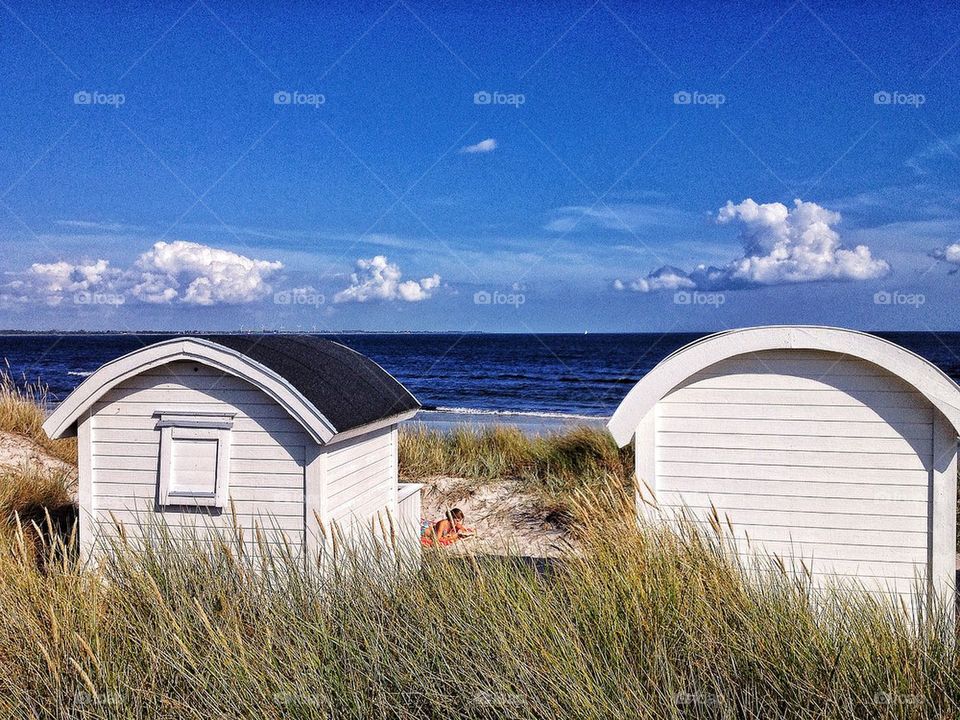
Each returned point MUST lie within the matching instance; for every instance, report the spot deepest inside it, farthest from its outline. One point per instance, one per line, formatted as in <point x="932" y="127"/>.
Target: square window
<point x="194" y="459"/>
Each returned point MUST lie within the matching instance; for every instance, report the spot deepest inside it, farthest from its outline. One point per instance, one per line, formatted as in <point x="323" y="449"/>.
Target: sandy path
<point x="507" y="521"/>
<point x="17" y="451"/>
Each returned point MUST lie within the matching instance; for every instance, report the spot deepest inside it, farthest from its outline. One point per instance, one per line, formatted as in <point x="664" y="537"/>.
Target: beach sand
<point x="507" y="520"/>
<point x="17" y="451"/>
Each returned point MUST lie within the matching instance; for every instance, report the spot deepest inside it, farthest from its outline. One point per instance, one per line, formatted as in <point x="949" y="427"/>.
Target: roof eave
<point x="373" y="426"/>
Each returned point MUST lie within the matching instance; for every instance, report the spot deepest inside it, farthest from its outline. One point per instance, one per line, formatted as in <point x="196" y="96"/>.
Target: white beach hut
<point x="272" y="432"/>
<point x="819" y="444"/>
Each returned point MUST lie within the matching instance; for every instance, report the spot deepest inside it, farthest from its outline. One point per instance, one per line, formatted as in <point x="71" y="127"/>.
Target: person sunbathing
<point x="445" y="531"/>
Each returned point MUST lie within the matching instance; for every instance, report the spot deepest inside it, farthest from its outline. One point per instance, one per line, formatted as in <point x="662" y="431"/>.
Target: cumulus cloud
<point x="180" y="271"/>
<point x="950" y="254"/>
<point x="50" y="283"/>
<point x="67" y="277"/>
<point x="379" y="279"/>
<point x="665" y="278"/>
<point x="781" y="245"/>
<point x="197" y="274"/>
<point x="484" y="146"/>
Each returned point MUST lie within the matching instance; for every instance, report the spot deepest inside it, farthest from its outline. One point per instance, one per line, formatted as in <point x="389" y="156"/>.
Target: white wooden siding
<point x="267" y="453"/>
<point x="810" y="455"/>
<point x="362" y="479"/>
<point x="409" y="514"/>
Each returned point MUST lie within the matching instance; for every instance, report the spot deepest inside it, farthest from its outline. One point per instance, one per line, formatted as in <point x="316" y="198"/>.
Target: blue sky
<point x="415" y="166"/>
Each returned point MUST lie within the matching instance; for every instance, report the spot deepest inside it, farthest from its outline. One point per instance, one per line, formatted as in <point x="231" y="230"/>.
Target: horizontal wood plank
<point x="255" y="478"/>
<point x="773" y="471"/>
<point x="803" y="536"/>
<point x="810" y="459"/>
<point x="738" y="501"/>
<point x="798" y="397"/>
<point x="917" y="492"/>
<point x="720" y="410"/>
<point x="142" y="492"/>
<point x="757" y="441"/>
<point x="293" y="453"/>
<point x="796" y="427"/>
<point x="848" y="383"/>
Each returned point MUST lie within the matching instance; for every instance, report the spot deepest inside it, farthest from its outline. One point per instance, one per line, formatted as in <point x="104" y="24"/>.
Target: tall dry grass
<point x="38" y="497"/>
<point x="643" y="623"/>
<point x="22" y="412"/>
<point x="556" y="468"/>
<point x="639" y="623"/>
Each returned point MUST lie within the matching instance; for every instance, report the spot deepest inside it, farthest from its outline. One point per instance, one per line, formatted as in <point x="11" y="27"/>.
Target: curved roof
<point x="928" y="379"/>
<point x="327" y="387"/>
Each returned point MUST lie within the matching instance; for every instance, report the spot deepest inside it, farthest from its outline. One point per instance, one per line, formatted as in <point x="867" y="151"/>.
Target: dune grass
<point x="31" y="492"/>
<point x="643" y="623"/>
<point x="638" y="623"/>
<point x="40" y="499"/>
<point x="22" y="413"/>
<point x="41" y="502"/>
<point x="556" y="468"/>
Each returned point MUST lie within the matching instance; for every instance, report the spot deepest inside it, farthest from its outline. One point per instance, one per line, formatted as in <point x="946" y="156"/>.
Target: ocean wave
<point x="80" y="373"/>
<point x="521" y="413"/>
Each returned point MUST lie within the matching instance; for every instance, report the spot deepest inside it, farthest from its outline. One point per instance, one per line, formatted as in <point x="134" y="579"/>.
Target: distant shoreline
<point x="530" y="423"/>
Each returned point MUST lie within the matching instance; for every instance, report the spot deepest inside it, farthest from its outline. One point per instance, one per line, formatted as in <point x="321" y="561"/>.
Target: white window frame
<point x="180" y="425"/>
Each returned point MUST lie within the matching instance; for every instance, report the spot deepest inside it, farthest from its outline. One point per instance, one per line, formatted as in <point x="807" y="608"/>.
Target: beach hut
<point x="827" y="446"/>
<point x="238" y="432"/>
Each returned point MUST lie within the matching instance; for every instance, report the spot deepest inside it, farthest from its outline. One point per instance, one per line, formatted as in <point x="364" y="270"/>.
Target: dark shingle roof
<point x="349" y="389"/>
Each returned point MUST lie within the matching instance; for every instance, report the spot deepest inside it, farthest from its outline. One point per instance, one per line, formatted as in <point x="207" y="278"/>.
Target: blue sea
<point x="538" y="382"/>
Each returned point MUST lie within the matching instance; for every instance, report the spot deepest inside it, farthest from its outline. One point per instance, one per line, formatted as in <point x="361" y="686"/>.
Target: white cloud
<point x="379" y="279"/>
<point x="950" y="253"/>
<point x="798" y="245"/>
<point x="49" y="283"/>
<point x="781" y="245"/>
<point x="64" y="276"/>
<point x="413" y="291"/>
<point x="179" y="271"/>
<point x="484" y="146"/>
<point x="200" y="275"/>
<point x="665" y="278"/>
